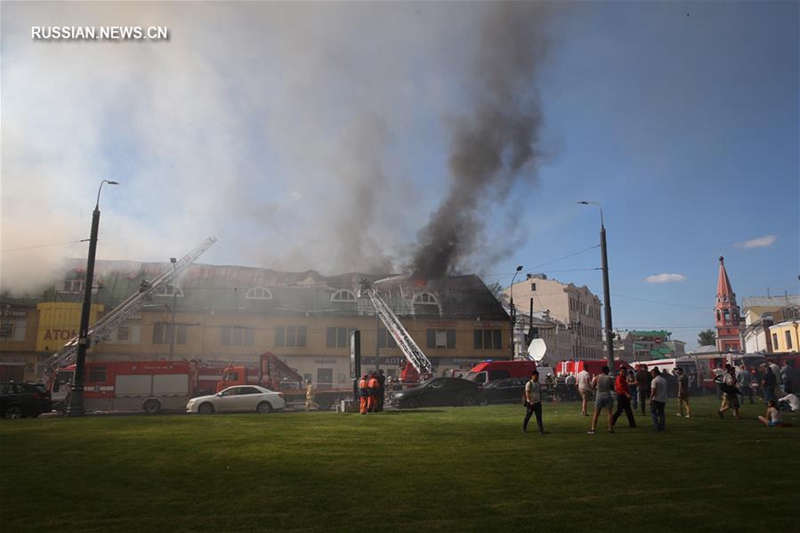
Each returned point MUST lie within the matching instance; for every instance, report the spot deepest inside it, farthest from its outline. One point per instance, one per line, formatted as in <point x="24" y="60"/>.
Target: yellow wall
<point x="781" y="331"/>
<point x="59" y="322"/>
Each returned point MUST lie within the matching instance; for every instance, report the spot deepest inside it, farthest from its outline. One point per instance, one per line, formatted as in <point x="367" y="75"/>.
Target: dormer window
<point x="258" y="293"/>
<point x="73" y="286"/>
<point x="344" y="296"/>
<point x="426" y="298"/>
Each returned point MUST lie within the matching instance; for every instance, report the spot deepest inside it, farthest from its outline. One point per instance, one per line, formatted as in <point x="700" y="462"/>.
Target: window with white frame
<point x="73" y="286"/>
<point x="258" y="293"/>
<point x="344" y="296"/>
<point x="426" y="298"/>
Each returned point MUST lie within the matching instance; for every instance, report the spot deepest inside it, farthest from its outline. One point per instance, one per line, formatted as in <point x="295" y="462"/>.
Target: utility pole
<point x="606" y="292"/>
<point x="513" y="314"/>
<point x="75" y="407"/>
<point x="174" y="329"/>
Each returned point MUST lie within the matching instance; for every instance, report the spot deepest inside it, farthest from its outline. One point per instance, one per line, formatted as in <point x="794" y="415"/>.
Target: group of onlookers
<point x="630" y="388"/>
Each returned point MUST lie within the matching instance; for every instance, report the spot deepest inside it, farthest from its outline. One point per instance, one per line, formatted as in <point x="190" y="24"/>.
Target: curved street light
<point x="75" y="407"/>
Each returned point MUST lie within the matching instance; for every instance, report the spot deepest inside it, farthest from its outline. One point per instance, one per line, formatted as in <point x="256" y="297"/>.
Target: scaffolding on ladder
<point x="402" y="337"/>
<point x="103" y="327"/>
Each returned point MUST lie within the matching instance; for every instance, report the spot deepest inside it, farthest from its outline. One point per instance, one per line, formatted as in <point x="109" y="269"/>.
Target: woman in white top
<point x="773" y="416"/>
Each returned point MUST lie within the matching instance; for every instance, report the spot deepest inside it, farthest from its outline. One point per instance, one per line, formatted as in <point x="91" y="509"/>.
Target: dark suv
<point x="19" y="400"/>
<point x="439" y="391"/>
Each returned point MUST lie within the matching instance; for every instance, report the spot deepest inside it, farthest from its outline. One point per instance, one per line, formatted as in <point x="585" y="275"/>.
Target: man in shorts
<point x="604" y="399"/>
<point x="584" y="389"/>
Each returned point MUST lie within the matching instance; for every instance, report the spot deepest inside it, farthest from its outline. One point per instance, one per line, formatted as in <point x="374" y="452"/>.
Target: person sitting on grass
<point x="789" y="403"/>
<point x="773" y="416"/>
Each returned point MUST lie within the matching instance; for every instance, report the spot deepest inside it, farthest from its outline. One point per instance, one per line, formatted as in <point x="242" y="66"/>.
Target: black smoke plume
<point x="494" y="144"/>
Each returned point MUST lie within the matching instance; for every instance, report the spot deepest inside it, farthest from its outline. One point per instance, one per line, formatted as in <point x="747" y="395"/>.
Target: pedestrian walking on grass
<point x="623" y="398"/>
<point x="584" y="389"/>
<point x="603" y="384"/>
<point x="643" y="378"/>
<point x="683" y="394"/>
<point x="730" y="394"/>
<point x="658" y="400"/>
<point x="533" y="402"/>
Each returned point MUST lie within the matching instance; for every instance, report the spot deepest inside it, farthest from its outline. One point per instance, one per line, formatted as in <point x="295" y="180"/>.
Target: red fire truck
<point x="593" y="366"/>
<point x="151" y="386"/>
<point x="491" y="370"/>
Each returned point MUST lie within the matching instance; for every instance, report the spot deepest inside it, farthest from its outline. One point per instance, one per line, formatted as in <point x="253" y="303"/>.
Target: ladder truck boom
<point x="124" y="310"/>
<point x="404" y="341"/>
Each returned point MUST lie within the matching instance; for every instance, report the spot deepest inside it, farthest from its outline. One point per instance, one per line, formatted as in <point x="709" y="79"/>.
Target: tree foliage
<point x="497" y="290"/>
<point x="707" y="338"/>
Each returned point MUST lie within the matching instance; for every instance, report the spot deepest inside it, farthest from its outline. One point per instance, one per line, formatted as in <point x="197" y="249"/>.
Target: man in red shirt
<point x="623" y="398"/>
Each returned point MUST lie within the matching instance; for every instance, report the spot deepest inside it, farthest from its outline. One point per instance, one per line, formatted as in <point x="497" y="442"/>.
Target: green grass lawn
<point x="448" y="469"/>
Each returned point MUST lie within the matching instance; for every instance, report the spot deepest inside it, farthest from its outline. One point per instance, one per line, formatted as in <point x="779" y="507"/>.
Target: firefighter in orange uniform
<point x="363" y="394"/>
<point x="373" y="387"/>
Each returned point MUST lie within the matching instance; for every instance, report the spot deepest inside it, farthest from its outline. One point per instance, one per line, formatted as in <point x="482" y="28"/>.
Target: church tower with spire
<point x="727" y="313"/>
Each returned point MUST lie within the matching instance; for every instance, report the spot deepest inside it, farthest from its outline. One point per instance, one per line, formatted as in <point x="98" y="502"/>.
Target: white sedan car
<point x="238" y="398"/>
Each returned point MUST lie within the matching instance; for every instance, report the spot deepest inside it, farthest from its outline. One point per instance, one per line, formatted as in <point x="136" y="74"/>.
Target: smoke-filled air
<point x="366" y="137"/>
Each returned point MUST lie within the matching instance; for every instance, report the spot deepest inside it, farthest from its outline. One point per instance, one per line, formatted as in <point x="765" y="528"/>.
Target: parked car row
<point x="19" y="400"/>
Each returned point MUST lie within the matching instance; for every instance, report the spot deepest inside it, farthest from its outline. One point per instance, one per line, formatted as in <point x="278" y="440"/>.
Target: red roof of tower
<point x="724" y="284"/>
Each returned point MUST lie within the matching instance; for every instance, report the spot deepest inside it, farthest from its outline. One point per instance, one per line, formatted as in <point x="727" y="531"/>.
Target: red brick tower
<point x="727" y="314"/>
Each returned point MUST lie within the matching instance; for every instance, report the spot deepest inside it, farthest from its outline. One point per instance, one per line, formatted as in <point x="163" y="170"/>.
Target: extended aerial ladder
<point x="404" y="341"/>
<point x="103" y="327"/>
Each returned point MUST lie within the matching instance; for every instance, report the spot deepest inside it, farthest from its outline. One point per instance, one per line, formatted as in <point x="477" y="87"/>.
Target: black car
<point x="439" y="391"/>
<point x="509" y="390"/>
<point x="20" y="400"/>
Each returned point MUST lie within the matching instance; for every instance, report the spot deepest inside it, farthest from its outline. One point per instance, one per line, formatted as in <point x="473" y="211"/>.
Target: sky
<point x="429" y="137"/>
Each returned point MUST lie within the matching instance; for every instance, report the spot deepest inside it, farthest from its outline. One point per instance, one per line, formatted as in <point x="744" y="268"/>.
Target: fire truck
<point x="149" y="386"/>
<point x="593" y="366"/>
<point x="491" y="370"/>
<point x="274" y="374"/>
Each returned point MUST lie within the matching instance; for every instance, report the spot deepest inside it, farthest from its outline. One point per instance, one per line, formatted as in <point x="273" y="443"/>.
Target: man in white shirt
<point x="533" y="402"/>
<point x="584" y="389"/>
<point x="658" y="400"/>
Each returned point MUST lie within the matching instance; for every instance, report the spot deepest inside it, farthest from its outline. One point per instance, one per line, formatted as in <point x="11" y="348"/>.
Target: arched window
<point x="343" y="296"/>
<point x="258" y="293"/>
<point x="425" y="298"/>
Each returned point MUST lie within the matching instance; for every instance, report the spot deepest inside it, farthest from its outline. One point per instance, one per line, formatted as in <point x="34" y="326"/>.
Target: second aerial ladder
<point x="402" y="337"/>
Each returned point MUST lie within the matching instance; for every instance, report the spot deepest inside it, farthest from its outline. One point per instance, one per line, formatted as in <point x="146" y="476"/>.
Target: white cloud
<point x="665" y="278"/>
<point x="761" y="242"/>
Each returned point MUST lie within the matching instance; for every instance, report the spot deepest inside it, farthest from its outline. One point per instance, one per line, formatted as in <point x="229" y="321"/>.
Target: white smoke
<point x="303" y="136"/>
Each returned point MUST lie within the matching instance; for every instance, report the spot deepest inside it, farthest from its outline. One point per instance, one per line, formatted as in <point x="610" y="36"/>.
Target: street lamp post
<point x="513" y="313"/>
<point x="606" y="292"/>
<point x="75" y="407"/>
<point x="173" y="329"/>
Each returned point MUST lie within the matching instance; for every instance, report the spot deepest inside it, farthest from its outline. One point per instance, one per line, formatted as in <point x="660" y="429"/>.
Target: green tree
<point x="497" y="290"/>
<point x="707" y="338"/>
